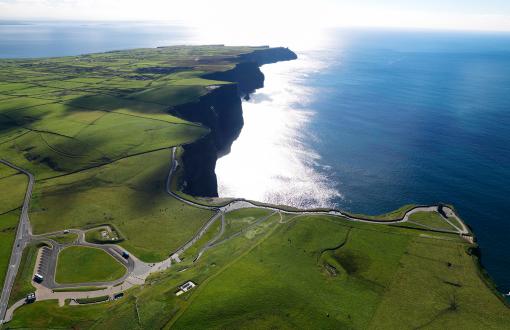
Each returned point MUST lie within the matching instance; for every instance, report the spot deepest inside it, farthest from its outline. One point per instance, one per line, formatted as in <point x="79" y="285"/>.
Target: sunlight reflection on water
<point x="270" y="161"/>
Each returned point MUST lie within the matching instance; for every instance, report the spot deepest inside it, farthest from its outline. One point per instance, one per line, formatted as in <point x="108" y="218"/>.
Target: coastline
<point x="217" y="142"/>
<point x="243" y="92"/>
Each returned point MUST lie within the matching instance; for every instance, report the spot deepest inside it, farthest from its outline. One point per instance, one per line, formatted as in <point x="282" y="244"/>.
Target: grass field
<point x="92" y="300"/>
<point x="431" y="220"/>
<point x="211" y="233"/>
<point x="78" y="264"/>
<point x="80" y="289"/>
<point x="8" y="225"/>
<point x="62" y="115"/>
<point x="130" y="194"/>
<point x="95" y="236"/>
<point x="276" y="275"/>
<point x="23" y="282"/>
<point x="66" y="317"/>
<point x="12" y="192"/>
<point x="282" y="282"/>
<point x="239" y="220"/>
<point x="392" y="215"/>
<point x="65" y="238"/>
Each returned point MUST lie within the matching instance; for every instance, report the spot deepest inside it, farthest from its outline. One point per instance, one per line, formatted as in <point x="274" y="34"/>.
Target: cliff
<point x="247" y="74"/>
<point x="221" y="111"/>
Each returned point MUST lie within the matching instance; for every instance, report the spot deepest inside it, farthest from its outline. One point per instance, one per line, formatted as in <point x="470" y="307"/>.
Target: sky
<point x="490" y="15"/>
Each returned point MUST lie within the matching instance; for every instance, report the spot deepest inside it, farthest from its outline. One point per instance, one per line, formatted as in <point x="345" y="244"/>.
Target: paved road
<point x="138" y="271"/>
<point x="236" y="204"/>
<point x="22" y="238"/>
<point x="52" y="257"/>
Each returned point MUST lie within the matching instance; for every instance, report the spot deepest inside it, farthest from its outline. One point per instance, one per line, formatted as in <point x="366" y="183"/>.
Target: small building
<point x="185" y="287"/>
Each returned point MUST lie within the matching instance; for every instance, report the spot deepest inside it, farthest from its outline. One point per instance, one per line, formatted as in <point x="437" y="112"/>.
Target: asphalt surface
<point x="23" y="234"/>
<point x="47" y="266"/>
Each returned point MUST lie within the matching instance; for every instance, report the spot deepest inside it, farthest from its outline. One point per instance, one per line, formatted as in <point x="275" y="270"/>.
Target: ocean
<point x="364" y="120"/>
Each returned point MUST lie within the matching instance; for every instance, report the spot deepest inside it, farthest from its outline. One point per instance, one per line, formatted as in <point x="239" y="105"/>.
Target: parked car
<point x="30" y="298"/>
<point x="38" y="278"/>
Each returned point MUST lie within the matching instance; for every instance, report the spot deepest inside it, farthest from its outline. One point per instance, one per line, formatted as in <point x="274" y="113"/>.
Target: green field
<point x="12" y="192"/>
<point x="78" y="264"/>
<point x="13" y="186"/>
<point x="23" y="282"/>
<point x="239" y="220"/>
<point x="8" y="225"/>
<point x="95" y="236"/>
<point x="65" y="238"/>
<point x="283" y="282"/>
<point x="92" y="300"/>
<point x="80" y="289"/>
<point x="62" y="115"/>
<point x="310" y="272"/>
<point x="431" y="221"/>
<point x="129" y="193"/>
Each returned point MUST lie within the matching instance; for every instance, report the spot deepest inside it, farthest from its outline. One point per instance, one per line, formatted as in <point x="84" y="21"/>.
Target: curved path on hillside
<point x="138" y="271"/>
<point x="238" y="203"/>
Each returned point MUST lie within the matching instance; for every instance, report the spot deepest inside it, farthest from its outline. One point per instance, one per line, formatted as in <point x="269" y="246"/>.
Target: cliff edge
<point x="221" y="111"/>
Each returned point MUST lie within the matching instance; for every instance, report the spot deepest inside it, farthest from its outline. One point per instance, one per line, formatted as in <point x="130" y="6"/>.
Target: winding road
<point x="137" y="270"/>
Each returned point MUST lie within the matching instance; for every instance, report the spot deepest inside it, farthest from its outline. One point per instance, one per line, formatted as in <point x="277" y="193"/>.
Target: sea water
<point x="374" y="120"/>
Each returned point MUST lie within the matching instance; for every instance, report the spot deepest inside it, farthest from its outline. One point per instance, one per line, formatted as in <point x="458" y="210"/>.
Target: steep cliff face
<point x="199" y="161"/>
<point x="247" y="72"/>
<point x="247" y="75"/>
<point x="221" y="111"/>
<point x="269" y="55"/>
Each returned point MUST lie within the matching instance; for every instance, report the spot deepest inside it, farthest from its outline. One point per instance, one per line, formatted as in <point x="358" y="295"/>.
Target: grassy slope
<point x="72" y="107"/>
<point x="392" y="215"/>
<point x="212" y="232"/>
<point x="431" y="220"/>
<point x="12" y="192"/>
<point x="23" y="282"/>
<point x="66" y="317"/>
<point x="274" y="276"/>
<point x="8" y="225"/>
<point x="401" y="277"/>
<point x="129" y="193"/>
<point x="238" y="220"/>
<point x="77" y="264"/>
<point x="65" y="238"/>
<point x="428" y="293"/>
<point x="282" y="281"/>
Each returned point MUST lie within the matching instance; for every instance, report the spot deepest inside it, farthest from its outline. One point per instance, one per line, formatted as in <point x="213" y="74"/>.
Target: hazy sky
<point x="437" y="14"/>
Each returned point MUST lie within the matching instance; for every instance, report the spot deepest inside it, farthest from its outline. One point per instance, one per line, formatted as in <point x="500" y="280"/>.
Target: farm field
<point x="77" y="264"/>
